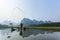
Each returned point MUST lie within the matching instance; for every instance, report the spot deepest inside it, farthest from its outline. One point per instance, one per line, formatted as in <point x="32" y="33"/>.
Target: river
<point x="29" y="34"/>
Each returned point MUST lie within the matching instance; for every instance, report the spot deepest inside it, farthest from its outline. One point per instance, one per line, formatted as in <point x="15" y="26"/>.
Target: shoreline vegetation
<point x="53" y="28"/>
<point x="45" y="28"/>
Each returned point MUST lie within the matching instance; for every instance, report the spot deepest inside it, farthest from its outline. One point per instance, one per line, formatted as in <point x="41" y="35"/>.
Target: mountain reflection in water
<point x="29" y="34"/>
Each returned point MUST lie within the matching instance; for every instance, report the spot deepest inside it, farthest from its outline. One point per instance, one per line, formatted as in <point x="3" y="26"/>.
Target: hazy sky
<point x="33" y="9"/>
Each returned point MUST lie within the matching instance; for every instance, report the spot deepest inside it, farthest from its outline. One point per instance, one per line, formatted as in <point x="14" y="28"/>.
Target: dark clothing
<point x="21" y="29"/>
<point x="21" y="25"/>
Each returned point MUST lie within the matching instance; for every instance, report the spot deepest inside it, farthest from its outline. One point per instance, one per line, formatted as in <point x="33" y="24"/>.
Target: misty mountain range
<point x="26" y="22"/>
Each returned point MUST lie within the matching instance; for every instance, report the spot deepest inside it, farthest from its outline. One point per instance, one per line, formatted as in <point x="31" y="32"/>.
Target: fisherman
<point x="21" y="28"/>
<point x="21" y="25"/>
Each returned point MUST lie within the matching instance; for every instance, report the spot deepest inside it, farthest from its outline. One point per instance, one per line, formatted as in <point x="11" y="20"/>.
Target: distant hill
<point x="7" y="22"/>
<point x="55" y="24"/>
<point x="35" y="22"/>
<point x="28" y="22"/>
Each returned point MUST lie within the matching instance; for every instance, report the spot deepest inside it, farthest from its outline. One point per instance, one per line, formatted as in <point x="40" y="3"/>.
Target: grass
<point x="2" y="27"/>
<point x="54" y="28"/>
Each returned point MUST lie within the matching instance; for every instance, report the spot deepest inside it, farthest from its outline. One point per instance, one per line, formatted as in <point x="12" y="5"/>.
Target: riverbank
<point x="54" y="28"/>
<point x="45" y="28"/>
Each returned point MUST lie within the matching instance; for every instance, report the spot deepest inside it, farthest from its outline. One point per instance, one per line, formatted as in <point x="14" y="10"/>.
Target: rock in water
<point x="8" y="36"/>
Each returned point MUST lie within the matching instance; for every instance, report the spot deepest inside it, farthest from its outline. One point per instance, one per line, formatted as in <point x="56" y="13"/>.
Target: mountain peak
<point x="28" y="22"/>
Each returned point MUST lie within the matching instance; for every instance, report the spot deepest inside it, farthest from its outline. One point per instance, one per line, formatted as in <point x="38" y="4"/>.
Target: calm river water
<point x="29" y="34"/>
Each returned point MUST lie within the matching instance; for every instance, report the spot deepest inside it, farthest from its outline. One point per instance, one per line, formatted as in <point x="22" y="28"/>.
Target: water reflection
<point x="34" y="32"/>
<point x="30" y="34"/>
<point x="5" y="31"/>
